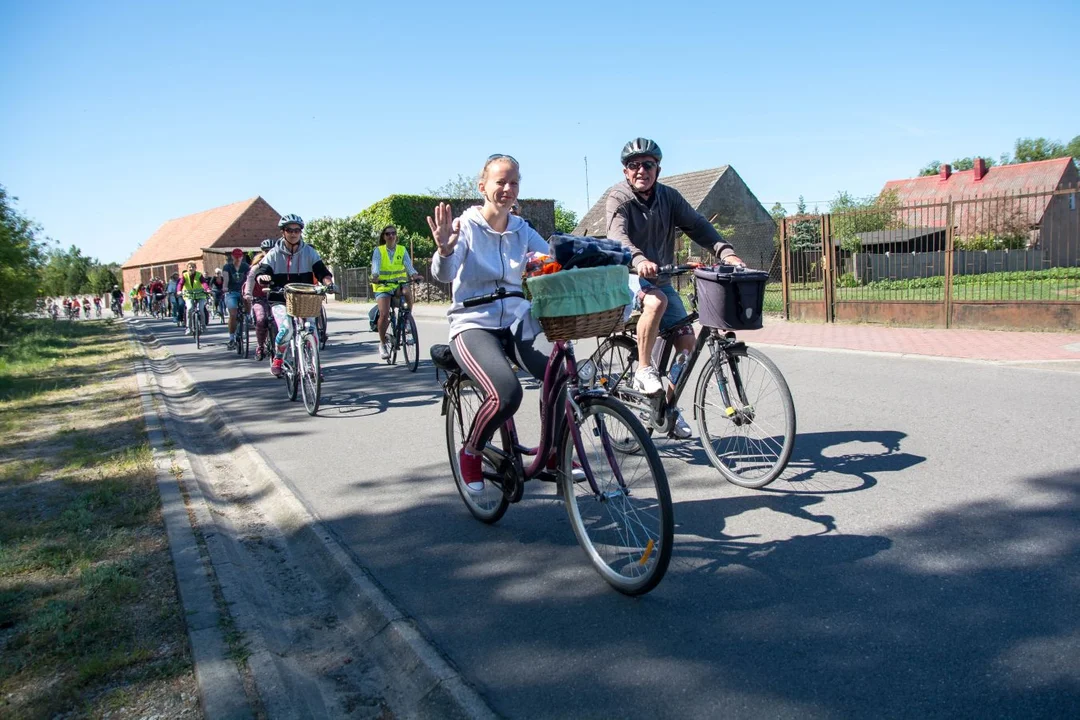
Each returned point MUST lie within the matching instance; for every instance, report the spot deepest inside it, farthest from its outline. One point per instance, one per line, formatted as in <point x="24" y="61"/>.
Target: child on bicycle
<point x="483" y="250"/>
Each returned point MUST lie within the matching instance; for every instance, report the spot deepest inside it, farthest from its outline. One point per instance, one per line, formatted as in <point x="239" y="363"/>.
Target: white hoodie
<point x="483" y="261"/>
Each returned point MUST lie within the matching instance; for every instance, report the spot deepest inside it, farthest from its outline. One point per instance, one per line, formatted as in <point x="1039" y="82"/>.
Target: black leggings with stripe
<point x="484" y="354"/>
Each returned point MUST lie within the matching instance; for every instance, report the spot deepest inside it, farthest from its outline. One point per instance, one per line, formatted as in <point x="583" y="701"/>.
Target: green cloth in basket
<point x="580" y="291"/>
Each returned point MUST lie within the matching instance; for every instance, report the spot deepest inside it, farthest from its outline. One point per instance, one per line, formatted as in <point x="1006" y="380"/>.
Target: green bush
<point x="847" y="280"/>
<point x="992" y="241"/>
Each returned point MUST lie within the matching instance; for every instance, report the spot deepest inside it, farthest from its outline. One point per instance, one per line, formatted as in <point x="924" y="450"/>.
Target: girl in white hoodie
<point x="480" y="252"/>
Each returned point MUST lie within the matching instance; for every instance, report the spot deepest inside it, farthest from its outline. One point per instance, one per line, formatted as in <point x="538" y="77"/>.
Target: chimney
<point x="980" y="169"/>
<point x="945" y="171"/>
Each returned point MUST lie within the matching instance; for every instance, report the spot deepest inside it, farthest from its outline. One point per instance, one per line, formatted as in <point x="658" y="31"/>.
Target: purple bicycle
<point x="618" y="503"/>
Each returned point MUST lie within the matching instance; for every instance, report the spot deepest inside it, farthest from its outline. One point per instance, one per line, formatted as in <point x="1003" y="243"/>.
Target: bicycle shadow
<point x="821" y="463"/>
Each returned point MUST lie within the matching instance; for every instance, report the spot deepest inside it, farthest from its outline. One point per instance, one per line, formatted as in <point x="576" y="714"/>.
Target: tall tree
<point x="565" y="220"/>
<point x="20" y="260"/>
<point x="778" y="214"/>
<point x="806" y="230"/>
<point x="462" y="187"/>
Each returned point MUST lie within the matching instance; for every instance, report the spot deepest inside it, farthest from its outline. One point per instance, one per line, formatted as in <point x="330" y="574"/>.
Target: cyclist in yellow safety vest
<point x="390" y="265"/>
<point x="192" y="286"/>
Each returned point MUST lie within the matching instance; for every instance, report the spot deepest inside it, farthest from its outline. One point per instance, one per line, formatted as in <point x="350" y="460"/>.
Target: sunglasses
<point x="646" y="164"/>
<point x="293" y="229"/>
<point x="500" y="156"/>
<point x="391" y="232"/>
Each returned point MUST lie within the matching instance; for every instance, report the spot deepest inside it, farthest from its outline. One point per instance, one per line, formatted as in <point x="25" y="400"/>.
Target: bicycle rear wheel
<point x="409" y="342"/>
<point x="616" y="361"/>
<point x="626" y="527"/>
<point x="749" y="441"/>
<point x="490" y="505"/>
<point x="308" y="369"/>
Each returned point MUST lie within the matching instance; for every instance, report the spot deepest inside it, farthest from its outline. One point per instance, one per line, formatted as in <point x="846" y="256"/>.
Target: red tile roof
<point x="1001" y="181"/>
<point x="241" y="224"/>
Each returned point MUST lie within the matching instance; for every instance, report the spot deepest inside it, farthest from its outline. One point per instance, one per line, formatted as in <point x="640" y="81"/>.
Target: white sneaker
<point x="648" y="380"/>
<point x="384" y="351"/>
<point x="682" y="428"/>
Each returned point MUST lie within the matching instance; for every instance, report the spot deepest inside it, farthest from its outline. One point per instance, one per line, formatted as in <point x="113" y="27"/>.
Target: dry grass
<point x="90" y="622"/>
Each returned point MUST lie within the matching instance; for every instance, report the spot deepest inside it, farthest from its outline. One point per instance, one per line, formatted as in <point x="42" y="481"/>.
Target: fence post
<point x="785" y="282"/>
<point x="950" y="244"/>
<point x="827" y="267"/>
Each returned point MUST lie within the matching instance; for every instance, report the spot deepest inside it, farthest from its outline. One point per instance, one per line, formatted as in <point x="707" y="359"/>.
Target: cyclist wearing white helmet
<point x="644" y="216"/>
<point x="290" y="261"/>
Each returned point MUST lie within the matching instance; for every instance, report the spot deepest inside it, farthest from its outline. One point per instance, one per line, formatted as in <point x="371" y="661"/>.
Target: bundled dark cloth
<point x="572" y="251"/>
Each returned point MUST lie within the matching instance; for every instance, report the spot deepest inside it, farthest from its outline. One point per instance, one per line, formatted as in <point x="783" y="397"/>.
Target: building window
<point x="1072" y="201"/>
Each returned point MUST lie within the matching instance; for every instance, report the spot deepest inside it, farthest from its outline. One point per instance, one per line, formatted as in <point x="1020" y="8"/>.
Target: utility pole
<point x="587" y="203"/>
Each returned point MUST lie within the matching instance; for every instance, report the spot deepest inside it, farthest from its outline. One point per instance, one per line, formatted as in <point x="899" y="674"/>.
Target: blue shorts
<point x="232" y="300"/>
<point x="675" y="311"/>
<point x="383" y="294"/>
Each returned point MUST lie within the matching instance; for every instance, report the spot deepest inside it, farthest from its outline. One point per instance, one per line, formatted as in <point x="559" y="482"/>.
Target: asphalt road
<point x="920" y="557"/>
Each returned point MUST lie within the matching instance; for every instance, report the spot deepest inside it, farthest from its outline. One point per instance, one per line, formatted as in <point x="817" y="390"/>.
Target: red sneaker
<point x="275" y="367"/>
<point x="472" y="471"/>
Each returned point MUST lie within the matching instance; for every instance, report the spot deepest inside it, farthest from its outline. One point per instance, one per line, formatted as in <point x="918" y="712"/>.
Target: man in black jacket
<point x="644" y="216"/>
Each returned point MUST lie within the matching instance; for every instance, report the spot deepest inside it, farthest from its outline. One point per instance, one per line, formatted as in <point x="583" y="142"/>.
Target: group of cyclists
<point x="72" y="307"/>
<point x="255" y="286"/>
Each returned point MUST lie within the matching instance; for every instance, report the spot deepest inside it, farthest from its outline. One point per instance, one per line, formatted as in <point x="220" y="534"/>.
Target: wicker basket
<point x="579" y="327"/>
<point x="303" y="300"/>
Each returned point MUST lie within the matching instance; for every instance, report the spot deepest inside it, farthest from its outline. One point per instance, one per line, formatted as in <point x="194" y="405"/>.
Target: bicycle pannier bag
<point x="730" y="298"/>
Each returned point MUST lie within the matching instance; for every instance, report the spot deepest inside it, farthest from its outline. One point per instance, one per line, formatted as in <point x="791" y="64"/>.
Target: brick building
<point x="204" y="237"/>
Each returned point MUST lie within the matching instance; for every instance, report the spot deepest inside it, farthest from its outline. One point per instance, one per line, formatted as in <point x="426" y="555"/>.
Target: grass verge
<point x="90" y="621"/>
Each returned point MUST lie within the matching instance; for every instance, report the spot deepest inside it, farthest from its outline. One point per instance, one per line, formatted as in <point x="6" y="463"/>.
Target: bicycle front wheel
<point x="288" y="369"/>
<point x="626" y="525"/>
<point x="749" y="440"/>
<point x="309" y="371"/>
<point x="409" y="342"/>
<point x="196" y="330"/>
<point x="490" y="505"/>
<point x="244" y="334"/>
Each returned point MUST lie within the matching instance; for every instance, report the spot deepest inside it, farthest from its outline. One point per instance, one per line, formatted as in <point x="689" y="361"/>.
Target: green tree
<point x="851" y="216"/>
<point x="1035" y="149"/>
<point x="565" y="220"/>
<point x="343" y="242"/>
<point x="20" y="260"/>
<point x="964" y="163"/>
<point x="101" y="278"/>
<point x="806" y="230"/>
<point x="778" y="214"/>
<point x="67" y="272"/>
<point x="462" y="187"/>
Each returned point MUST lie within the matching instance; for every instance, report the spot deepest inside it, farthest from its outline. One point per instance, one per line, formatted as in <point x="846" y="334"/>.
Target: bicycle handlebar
<point x="500" y="294"/>
<point x="672" y="270"/>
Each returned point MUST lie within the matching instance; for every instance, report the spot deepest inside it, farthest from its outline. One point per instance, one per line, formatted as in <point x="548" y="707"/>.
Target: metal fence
<point x="1009" y="261"/>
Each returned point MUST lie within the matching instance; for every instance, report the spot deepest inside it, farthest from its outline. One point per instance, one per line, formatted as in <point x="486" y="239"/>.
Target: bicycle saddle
<point x="443" y="358"/>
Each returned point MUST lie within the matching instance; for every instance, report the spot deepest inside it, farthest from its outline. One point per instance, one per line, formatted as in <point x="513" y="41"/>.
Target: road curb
<point x="424" y="683"/>
<point x="221" y="689"/>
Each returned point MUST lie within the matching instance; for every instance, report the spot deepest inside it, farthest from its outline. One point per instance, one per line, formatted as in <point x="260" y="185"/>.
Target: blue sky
<point x="121" y="115"/>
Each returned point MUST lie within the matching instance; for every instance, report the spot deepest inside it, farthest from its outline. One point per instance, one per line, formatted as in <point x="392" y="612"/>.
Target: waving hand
<point x="444" y="228"/>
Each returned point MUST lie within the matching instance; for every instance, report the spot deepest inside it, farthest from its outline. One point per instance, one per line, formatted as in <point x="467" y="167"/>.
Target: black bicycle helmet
<point x="267" y="244"/>
<point x="640" y="147"/>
